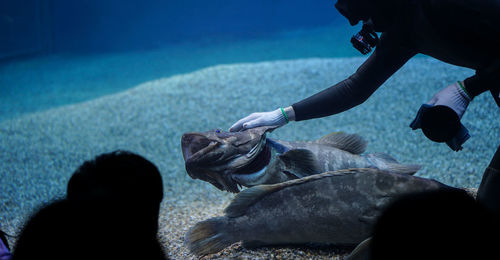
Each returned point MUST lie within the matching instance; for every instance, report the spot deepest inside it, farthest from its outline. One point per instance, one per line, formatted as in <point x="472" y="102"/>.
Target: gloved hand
<point x="271" y="118"/>
<point x="454" y="96"/>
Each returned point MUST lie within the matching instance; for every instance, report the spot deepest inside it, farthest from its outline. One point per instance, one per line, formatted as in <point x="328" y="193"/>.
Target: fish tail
<point x="208" y="237"/>
<point x="386" y="162"/>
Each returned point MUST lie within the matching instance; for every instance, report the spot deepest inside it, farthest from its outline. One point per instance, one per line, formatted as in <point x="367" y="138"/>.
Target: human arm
<point x="387" y="58"/>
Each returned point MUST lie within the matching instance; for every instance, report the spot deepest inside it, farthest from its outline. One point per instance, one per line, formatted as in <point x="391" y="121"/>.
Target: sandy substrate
<point x="38" y="152"/>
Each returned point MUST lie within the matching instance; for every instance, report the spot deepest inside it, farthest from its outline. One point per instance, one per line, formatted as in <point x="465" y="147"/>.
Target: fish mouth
<point x="259" y="160"/>
<point x="208" y="160"/>
<point x="194" y="144"/>
<point x="258" y="163"/>
<point x="224" y="180"/>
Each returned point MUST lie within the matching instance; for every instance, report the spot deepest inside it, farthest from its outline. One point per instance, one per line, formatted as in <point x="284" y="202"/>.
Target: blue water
<point x="72" y="52"/>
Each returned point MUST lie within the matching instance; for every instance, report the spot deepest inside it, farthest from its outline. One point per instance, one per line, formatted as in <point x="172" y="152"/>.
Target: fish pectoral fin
<point x="352" y="143"/>
<point x="247" y="198"/>
<point x="300" y="162"/>
<point x="361" y="251"/>
<point x="291" y="175"/>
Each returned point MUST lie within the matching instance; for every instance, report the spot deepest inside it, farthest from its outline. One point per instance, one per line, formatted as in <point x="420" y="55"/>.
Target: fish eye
<point x="221" y="133"/>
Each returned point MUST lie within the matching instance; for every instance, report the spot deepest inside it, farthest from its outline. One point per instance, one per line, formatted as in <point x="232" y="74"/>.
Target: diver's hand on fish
<point x="454" y="96"/>
<point x="278" y="117"/>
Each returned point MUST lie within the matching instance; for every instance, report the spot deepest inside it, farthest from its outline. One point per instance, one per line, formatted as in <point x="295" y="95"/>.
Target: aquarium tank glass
<point x="80" y="80"/>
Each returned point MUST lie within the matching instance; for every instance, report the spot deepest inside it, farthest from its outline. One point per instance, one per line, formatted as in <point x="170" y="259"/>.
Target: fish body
<point x="334" y="208"/>
<point x="329" y="156"/>
<point x="248" y="158"/>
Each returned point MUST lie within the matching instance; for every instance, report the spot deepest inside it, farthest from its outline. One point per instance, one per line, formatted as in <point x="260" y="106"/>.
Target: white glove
<point x="272" y="118"/>
<point x="454" y="97"/>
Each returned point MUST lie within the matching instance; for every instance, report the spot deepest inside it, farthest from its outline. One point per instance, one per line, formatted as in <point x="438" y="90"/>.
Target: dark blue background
<point x="117" y="25"/>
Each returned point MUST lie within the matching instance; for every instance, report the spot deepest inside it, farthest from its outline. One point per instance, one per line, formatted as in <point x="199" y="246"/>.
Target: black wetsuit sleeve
<point x="487" y="78"/>
<point x="387" y="58"/>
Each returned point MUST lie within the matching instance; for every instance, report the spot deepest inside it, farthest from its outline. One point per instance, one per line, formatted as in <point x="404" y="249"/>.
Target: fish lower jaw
<point x="231" y="186"/>
<point x="250" y="179"/>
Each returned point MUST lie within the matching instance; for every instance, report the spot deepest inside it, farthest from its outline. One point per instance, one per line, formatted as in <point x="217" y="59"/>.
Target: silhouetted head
<point x="380" y="14"/>
<point x="86" y="229"/>
<point x="445" y="224"/>
<point x="355" y="10"/>
<point x="123" y="177"/>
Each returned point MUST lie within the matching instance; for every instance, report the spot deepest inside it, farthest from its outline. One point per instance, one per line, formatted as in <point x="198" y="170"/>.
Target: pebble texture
<point x="39" y="152"/>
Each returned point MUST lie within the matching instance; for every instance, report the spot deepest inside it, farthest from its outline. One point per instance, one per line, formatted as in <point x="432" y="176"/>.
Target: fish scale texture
<point x="39" y="151"/>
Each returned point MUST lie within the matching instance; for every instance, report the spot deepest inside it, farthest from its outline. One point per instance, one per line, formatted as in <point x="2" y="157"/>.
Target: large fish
<point x="333" y="208"/>
<point x="247" y="158"/>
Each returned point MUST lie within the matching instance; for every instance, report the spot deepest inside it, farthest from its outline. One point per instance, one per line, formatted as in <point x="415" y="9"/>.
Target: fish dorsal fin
<point x="352" y="143"/>
<point x="250" y="196"/>
<point x="300" y="162"/>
